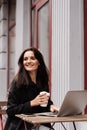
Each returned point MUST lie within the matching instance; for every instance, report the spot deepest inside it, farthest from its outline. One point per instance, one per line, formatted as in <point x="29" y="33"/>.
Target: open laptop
<point x="74" y="103"/>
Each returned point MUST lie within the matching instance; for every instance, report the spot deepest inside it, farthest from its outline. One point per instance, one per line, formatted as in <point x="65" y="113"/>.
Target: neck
<point x="33" y="76"/>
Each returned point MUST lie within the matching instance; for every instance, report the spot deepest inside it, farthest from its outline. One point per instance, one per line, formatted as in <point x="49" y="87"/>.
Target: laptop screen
<point x="74" y="103"/>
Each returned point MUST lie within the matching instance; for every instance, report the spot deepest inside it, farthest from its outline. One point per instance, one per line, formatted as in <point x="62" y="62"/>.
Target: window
<point x="41" y="27"/>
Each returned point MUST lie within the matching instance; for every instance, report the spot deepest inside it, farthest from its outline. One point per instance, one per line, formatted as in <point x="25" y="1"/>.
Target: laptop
<point x="74" y="103"/>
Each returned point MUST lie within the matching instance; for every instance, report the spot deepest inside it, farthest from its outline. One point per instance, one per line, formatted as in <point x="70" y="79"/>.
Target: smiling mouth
<point x="29" y="66"/>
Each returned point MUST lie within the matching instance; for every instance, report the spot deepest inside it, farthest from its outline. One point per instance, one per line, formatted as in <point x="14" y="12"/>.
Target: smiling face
<point x="30" y="62"/>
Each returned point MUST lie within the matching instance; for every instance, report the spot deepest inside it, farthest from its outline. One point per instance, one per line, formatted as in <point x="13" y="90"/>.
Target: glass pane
<point x="33" y="27"/>
<point x="43" y="32"/>
<point x="12" y="37"/>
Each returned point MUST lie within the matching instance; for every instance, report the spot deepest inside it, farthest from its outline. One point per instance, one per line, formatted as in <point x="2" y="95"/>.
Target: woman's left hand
<point x="54" y="108"/>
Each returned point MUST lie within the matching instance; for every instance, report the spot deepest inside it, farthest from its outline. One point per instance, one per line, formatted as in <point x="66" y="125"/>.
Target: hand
<point x="54" y="108"/>
<point x="39" y="100"/>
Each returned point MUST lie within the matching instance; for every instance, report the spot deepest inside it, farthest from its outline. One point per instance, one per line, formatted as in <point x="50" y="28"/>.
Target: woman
<point x="24" y="95"/>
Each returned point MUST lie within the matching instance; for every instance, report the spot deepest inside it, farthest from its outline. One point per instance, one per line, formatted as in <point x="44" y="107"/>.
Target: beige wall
<point x="22" y="28"/>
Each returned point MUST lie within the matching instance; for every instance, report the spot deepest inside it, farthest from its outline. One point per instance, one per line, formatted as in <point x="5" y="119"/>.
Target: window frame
<point x="38" y="4"/>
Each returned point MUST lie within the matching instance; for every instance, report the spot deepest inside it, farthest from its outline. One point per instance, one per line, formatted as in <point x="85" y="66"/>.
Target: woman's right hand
<point x="39" y="100"/>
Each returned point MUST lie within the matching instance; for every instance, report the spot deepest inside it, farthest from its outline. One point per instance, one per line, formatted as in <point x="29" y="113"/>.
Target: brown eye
<point x="25" y="58"/>
<point x="33" y="58"/>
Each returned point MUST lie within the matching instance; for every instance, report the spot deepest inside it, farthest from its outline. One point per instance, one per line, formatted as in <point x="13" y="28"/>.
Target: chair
<point x="3" y="106"/>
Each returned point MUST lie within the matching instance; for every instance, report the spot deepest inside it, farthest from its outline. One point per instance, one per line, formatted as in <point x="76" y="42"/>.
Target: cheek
<point x="37" y="64"/>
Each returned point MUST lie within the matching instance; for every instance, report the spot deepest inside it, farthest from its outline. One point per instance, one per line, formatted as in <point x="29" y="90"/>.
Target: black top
<point x="19" y="103"/>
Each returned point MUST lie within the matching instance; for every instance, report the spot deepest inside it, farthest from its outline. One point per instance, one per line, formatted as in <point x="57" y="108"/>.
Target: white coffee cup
<point x="48" y="94"/>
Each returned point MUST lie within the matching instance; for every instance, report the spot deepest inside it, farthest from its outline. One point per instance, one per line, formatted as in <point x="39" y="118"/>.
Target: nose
<point x="29" y="60"/>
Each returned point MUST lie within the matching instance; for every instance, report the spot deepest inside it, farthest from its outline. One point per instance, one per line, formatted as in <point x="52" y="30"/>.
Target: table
<point x="45" y="119"/>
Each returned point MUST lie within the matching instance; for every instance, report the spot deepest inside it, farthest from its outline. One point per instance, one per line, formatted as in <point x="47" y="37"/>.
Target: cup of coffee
<point x="48" y="94"/>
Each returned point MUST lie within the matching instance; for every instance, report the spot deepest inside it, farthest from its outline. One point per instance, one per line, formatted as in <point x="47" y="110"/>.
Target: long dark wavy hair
<point x="23" y="78"/>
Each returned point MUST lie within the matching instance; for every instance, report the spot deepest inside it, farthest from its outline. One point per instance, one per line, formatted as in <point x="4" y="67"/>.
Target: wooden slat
<point x="3" y="103"/>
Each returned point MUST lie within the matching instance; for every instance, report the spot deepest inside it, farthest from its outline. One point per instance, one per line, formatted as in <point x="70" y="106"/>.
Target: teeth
<point x="29" y="65"/>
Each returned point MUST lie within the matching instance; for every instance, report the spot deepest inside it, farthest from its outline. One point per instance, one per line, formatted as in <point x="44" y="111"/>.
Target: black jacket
<point x="19" y="102"/>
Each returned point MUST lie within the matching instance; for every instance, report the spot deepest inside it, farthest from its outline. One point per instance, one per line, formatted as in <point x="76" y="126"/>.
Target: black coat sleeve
<point x="15" y="105"/>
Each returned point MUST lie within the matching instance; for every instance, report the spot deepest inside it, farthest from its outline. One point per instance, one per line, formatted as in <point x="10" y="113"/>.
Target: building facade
<point x="56" y="27"/>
